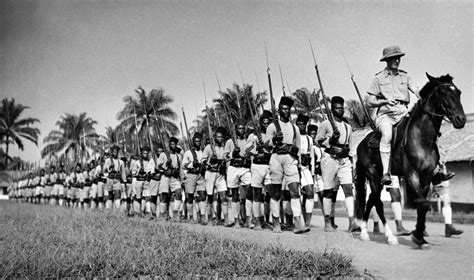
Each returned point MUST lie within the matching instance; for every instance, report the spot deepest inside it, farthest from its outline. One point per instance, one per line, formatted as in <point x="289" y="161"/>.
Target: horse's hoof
<point x="364" y="236"/>
<point x="393" y="241"/>
<point x="420" y="242"/>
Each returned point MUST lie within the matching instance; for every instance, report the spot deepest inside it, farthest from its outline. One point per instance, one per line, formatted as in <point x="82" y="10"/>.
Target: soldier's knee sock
<point x="385" y="156"/>
<point x="309" y="205"/>
<point x="349" y="201"/>
<point x="202" y="207"/>
<point x="287" y="208"/>
<point x="447" y="214"/>
<point x="248" y="207"/>
<point x="296" y="207"/>
<point x="275" y="208"/>
<point x="256" y="208"/>
<point x="397" y="210"/>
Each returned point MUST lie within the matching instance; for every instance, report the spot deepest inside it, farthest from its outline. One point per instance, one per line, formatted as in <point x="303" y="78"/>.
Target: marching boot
<point x="290" y="226"/>
<point x="450" y="230"/>
<point x="300" y="226"/>
<point x="401" y="231"/>
<point x="276" y="225"/>
<point x="333" y="223"/>
<point x="353" y="227"/>
<point x="307" y="219"/>
<point x="327" y="224"/>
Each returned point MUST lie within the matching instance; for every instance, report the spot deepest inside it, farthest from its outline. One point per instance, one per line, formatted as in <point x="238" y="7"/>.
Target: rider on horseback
<point x="389" y="93"/>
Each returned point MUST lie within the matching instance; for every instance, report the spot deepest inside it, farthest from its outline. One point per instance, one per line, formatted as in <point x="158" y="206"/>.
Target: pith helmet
<point x="392" y="51"/>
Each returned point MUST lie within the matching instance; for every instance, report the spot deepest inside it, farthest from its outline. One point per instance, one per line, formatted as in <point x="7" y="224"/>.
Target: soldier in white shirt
<point x="142" y="170"/>
<point x="115" y="169"/>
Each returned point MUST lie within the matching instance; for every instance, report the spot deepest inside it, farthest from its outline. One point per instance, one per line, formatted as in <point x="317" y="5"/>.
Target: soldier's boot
<point x="327" y="224"/>
<point x="290" y="226"/>
<point x="299" y="226"/>
<point x="451" y="230"/>
<point x="307" y="219"/>
<point x="353" y="227"/>
<point x="401" y="231"/>
<point x="333" y="223"/>
<point x="276" y="225"/>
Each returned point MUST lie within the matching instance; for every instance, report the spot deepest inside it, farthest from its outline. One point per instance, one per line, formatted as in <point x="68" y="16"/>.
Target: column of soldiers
<point x="267" y="176"/>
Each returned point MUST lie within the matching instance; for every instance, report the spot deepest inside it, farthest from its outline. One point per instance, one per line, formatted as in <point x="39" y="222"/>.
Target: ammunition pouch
<point x="262" y="158"/>
<point x="317" y="168"/>
<point x="338" y="151"/>
<point x="95" y="181"/>
<point x="103" y="180"/>
<point x="240" y="162"/>
<point x="156" y="176"/>
<point x="112" y="174"/>
<point x="286" y="149"/>
<point x="305" y="160"/>
<point x="129" y="180"/>
<point x="88" y="183"/>
<point x="216" y="165"/>
<point x="141" y="176"/>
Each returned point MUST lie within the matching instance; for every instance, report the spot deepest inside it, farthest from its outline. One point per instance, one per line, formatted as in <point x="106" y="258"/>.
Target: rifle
<point x="272" y="100"/>
<point x="182" y="134"/>
<point x="230" y="124"/>
<point x="136" y="129"/>
<point x="190" y="143"/>
<point x="141" y="90"/>
<point x="282" y="84"/>
<point x="211" y="138"/>
<point x="319" y="104"/>
<point x="328" y="111"/>
<point x="372" y="123"/>
<point x="159" y="126"/>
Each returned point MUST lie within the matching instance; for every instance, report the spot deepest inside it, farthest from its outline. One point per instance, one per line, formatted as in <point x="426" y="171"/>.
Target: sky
<point x="70" y="56"/>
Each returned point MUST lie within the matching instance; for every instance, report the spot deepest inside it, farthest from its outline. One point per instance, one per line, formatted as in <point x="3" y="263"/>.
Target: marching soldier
<point x="214" y="158"/>
<point x="155" y="183"/>
<point x="47" y="187"/>
<point x="307" y="168"/>
<point x="318" y="179"/>
<point x="336" y="165"/>
<point x="115" y="175"/>
<point x="194" y="183"/>
<point x="169" y="164"/>
<point x="142" y="170"/>
<point x="284" y="165"/>
<point x="260" y="147"/>
<point x="53" y="178"/>
<point x="238" y="174"/>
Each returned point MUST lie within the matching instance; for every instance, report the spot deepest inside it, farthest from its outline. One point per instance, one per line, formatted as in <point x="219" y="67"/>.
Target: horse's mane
<point x="432" y="83"/>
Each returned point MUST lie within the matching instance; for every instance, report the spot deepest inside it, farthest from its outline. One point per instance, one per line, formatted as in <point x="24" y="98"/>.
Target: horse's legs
<point x="413" y="181"/>
<point x="391" y="239"/>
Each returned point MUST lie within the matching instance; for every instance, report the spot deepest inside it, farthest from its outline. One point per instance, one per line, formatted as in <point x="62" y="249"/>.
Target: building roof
<point x="454" y="144"/>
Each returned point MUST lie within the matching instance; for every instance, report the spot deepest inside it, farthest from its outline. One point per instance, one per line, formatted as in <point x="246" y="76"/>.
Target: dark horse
<point x="415" y="154"/>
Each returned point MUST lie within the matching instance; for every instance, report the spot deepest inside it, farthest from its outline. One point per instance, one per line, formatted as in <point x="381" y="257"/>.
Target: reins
<point x="434" y="93"/>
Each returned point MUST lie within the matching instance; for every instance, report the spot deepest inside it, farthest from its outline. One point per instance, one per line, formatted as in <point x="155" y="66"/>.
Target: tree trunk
<point x="6" y="154"/>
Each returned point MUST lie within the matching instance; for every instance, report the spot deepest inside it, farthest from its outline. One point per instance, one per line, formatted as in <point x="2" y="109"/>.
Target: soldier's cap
<point x="302" y="118"/>
<point x="92" y="162"/>
<point x="124" y="159"/>
<point x="79" y="165"/>
<point x="221" y="130"/>
<point x="241" y="122"/>
<point x="145" y="149"/>
<point x="266" y="115"/>
<point x="178" y="150"/>
<point x="159" y="146"/>
<point x="197" y="135"/>
<point x="115" y="148"/>
<point x="285" y="100"/>
<point x="337" y="99"/>
<point x="392" y="51"/>
<point x="312" y="127"/>
<point x="174" y="140"/>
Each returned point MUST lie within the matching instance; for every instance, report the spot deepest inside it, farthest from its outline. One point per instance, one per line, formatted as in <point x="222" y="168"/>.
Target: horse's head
<point x="442" y="98"/>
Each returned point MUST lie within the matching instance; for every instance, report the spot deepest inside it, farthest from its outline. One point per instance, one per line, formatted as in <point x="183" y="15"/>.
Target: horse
<point x="415" y="155"/>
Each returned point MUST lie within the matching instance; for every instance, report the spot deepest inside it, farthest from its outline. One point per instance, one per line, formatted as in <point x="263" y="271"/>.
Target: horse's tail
<point x="360" y="190"/>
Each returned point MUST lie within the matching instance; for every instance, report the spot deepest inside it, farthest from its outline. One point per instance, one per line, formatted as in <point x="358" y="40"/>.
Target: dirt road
<point x="447" y="258"/>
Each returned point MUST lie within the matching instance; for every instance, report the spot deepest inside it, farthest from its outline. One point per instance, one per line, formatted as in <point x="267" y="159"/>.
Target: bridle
<point x="444" y="113"/>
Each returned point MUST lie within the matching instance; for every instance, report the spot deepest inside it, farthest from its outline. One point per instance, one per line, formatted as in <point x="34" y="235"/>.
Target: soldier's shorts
<point x="79" y="194"/>
<point x="306" y="177"/>
<point x="194" y="182"/>
<point x="260" y="175"/>
<point x="318" y="183"/>
<point x="139" y="188"/>
<point x="58" y="190"/>
<point x="86" y="192"/>
<point x="237" y="176"/>
<point x="169" y="184"/>
<point x="441" y="189"/>
<point x="39" y="191"/>
<point x="215" y="180"/>
<point x="93" y="191"/>
<point x="113" y="185"/>
<point x="154" y="187"/>
<point x="100" y="189"/>
<point x="284" y="167"/>
<point x="70" y="193"/>
<point x="48" y="190"/>
<point x="335" y="171"/>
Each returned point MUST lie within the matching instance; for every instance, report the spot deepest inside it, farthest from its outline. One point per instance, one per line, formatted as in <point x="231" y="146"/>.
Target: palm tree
<point x="309" y="103"/>
<point x="148" y="116"/>
<point x="76" y="138"/>
<point x="13" y="128"/>
<point x="355" y="115"/>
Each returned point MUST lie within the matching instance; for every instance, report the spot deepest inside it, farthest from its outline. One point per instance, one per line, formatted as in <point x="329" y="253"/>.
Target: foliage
<point x="309" y="104"/>
<point x="47" y="242"/>
<point x="14" y="128"/>
<point x="149" y="116"/>
<point x="75" y="138"/>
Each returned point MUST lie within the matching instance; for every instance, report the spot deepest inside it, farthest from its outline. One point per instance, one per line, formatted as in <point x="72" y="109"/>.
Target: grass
<point x="50" y="242"/>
